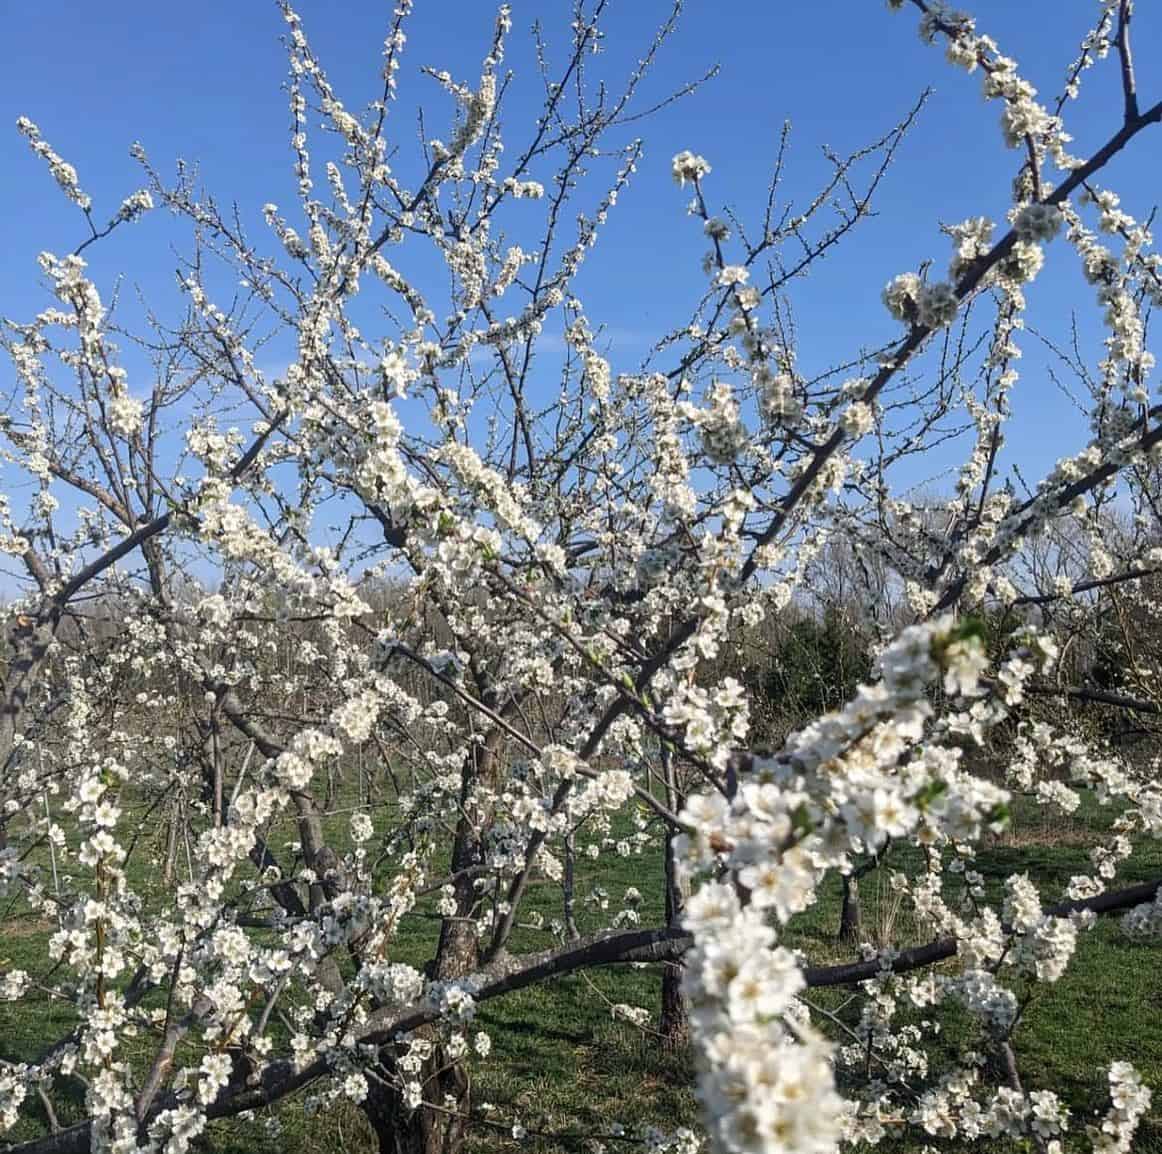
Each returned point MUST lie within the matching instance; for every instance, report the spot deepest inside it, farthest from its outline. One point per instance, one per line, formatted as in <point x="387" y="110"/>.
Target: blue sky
<point x="204" y="83"/>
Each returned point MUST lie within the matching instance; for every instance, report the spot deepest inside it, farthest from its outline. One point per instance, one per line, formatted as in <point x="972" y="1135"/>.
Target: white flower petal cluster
<point x="686" y="167"/>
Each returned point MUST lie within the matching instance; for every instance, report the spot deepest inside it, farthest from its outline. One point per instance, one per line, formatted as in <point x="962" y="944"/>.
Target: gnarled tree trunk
<point x="399" y="1130"/>
<point x="425" y="1130"/>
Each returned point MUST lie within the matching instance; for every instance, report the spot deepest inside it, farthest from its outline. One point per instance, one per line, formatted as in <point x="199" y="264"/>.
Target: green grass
<point x="563" y="1065"/>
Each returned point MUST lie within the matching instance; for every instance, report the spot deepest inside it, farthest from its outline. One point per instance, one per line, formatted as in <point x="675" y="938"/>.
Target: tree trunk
<point x="213" y="787"/>
<point x="399" y="1130"/>
<point x="444" y="1080"/>
<point x="673" y="1022"/>
<point x="570" y="889"/>
<point x="29" y="642"/>
<point x="171" y="843"/>
<point x="850" y="914"/>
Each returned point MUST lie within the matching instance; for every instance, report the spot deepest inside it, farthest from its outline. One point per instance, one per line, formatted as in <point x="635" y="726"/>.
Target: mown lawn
<point x="564" y="1067"/>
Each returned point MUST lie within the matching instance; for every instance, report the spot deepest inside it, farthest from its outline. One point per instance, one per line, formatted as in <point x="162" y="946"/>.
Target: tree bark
<point x="445" y="1081"/>
<point x="850" y="913"/>
<point x="171" y="843"/>
<point x="569" y="889"/>
<point x="30" y="641"/>
<point x="673" y="1021"/>
<point x="399" y="1130"/>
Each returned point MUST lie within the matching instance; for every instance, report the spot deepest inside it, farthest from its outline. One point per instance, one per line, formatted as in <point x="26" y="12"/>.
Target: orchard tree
<point x="432" y="617"/>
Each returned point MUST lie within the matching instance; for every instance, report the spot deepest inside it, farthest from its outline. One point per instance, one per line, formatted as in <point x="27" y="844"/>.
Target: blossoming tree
<point x="565" y="562"/>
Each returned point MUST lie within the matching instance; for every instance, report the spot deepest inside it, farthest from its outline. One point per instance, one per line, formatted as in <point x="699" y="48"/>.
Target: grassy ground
<point x="563" y="1065"/>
